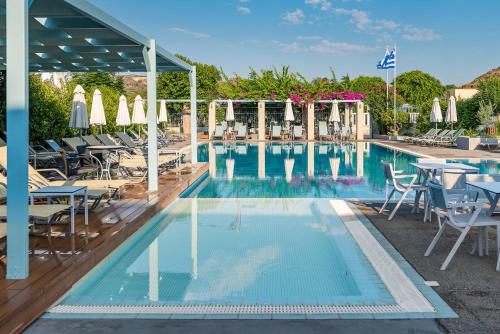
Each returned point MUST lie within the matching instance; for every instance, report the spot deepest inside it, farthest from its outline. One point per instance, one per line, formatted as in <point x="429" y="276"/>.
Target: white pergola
<point x="68" y="36"/>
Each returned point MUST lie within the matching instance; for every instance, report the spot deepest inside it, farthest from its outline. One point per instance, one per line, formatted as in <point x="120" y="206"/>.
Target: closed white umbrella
<point x="163" y="118"/>
<point x="289" y="111"/>
<point x="335" y="114"/>
<point x="436" y="115"/>
<point x="230" y="111"/>
<point x="451" y="112"/>
<point x="413" y="117"/>
<point x="97" y="115"/>
<point x="138" y="114"/>
<point x="79" y="118"/>
<point x="335" y="166"/>
<point x="123" y="116"/>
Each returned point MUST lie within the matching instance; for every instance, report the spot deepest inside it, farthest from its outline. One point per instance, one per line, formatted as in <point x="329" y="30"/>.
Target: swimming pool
<point x="254" y="242"/>
<point x="299" y="170"/>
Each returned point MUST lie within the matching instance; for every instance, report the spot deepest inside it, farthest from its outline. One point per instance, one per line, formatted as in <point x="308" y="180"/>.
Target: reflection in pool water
<point x="321" y="170"/>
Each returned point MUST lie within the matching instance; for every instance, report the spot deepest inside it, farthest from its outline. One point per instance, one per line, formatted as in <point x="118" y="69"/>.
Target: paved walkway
<point x="442" y="152"/>
<point x="470" y="285"/>
<point x="135" y="326"/>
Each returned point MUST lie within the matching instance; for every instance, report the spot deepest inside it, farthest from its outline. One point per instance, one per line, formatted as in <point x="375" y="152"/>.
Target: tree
<point x="418" y="88"/>
<point x="489" y="93"/>
<point x="99" y="79"/>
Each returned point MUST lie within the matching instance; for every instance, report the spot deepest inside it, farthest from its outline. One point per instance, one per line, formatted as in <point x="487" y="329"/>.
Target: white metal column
<point x="194" y="117"/>
<point x="150" y="61"/>
<point x="17" y="138"/>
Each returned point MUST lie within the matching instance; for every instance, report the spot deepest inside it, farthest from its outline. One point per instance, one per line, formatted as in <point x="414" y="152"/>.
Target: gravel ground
<point x="470" y="285"/>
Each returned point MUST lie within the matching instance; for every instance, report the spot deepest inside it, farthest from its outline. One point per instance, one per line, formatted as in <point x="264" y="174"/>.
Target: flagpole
<point x="387" y="89"/>
<point x="394" y="85"/>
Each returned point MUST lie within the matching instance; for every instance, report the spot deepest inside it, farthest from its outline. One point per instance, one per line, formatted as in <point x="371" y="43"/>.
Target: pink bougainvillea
<point x="300" y="96"/>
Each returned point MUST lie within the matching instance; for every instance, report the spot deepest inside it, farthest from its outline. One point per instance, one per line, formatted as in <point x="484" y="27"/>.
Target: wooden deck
<point x="57" y="264"/>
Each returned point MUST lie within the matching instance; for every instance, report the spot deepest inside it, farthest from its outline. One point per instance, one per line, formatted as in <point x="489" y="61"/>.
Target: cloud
<point x="328" y="47"/>
<point x="243" y="10"/>
<point x="358" y="17"/>
<point x="323" y="5"/>
<point x="309" y="38"/>
<point x="419" y="34"/>
<point x="295" y="17"/>
<point x="386" y="29"/>
<point x="324" y="46"/>
<point x="188" y="32"/>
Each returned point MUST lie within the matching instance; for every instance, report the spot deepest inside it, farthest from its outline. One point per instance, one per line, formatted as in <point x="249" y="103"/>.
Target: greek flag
<point x="390" y="60"/>
<point x="380" y="65"/>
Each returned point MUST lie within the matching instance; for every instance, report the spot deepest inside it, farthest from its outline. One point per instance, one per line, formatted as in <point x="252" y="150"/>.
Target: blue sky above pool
<point x="448" y="38"/>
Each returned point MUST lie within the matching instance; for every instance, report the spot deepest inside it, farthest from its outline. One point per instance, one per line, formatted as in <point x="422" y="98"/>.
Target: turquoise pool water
<point x="345" y="171"/>
<point x="259" y="232"/>
<point x="233" y="252"/>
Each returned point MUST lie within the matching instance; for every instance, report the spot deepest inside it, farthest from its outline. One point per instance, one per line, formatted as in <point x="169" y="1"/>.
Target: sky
<point x="454" y="40"/>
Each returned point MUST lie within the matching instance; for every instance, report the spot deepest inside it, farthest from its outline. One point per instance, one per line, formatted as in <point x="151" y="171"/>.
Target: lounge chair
<point x="276" y="132"/>
<point x="445" y="135"/>
<point x="429" y="134"/>
<point x="129" y="142"/>
<point x="75" y="144"/>
<point x="489" y="143"/>
<point x="96" y="188"/>
<point x="452" y="141"/>
<point x="323" y="131"/>
<point x="106" y="139"/>
<point x="91" y="140"/>
<point x="345" y="133"/>
<point x="218" y="133"/>
<point x="462" y="216"/>
<point x="298" y="132"/>
<point x="426" y="139"/>
<point x="393" y="178"/>
<point x="137" y="168"/>
<point x="242" y="132"/>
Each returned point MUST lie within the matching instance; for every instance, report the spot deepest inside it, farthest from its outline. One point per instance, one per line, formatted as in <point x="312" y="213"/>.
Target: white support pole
<point x="17" y="138"/>
<point x="194" y="117"/>
<point x="150" y="61"/>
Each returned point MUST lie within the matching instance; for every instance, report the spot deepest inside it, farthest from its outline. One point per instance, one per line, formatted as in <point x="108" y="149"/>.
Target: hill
<point x="490" y="74"/>
<point x="135" y="84"/>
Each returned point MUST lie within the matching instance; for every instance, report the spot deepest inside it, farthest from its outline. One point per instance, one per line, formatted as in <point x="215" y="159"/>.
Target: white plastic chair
<point x="394" y="178"/>
<point x="470" y="216"/>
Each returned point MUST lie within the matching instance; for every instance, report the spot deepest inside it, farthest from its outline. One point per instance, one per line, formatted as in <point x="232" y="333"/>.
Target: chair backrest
<point x="322" y="129"/>
<point x="457" y="134"/>
<point x="242" y="130"/>
<point x="74" y="143"/>
<point x="144" y="131"/>
<point x="388" y="171"/>
<point x="276" y="131"/>
<point x="297" y="131"/>
<point x="219" y="131"/>
<point x="33" y="173"/>
<point x="54" y="146"/>
<point x="106" y="139"/>
<point x="237" y="126"/>
<point x="438" y="195"/>
<point x="135" y="134"/>
<point x="125" y="138"/>
<point x="91" y="140"/>
<point x="428" y="133"/>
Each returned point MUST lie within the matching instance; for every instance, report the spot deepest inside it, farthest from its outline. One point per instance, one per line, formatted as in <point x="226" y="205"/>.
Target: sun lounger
<point x="298" y="132"/>
<point x="323" y="131"/>
<point x="276" y="132"/>
<point x="218" y="133"/>
<point x="489" y="143"/>
<point x="241" y="132"/>
<point x="449" y="141"/>
<point x="97" y="189"/>
<point x="91" y="140"/>
<point x="76" y="144"/>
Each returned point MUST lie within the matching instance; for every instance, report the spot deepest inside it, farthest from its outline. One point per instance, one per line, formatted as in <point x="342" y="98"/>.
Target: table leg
<point x="72" y="200"/>
<point x="493" y="201"/>
<point x="86" y="206"/>
<point x="498" y="248"/>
